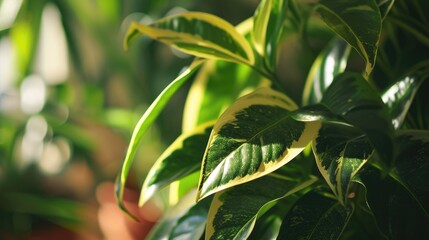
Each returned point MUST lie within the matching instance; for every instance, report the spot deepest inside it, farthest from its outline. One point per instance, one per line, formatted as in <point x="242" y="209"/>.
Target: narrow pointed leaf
<point x="234" y="211"/>
<point x="399" y="97"/>
<point x="356" y="21"/>
<point x="351" y="96"/>
<point x="217" y="85"/>
<point x="268" y="29"/>
<point x="181" y="158"/>
<point x="253" y="138"/>
<point x="315" y="216"/>
<point x="200" y="34"/>
<point x="340" y="152"/>
<point x="330" y="62"/>
<point x="385" y="6"/>
<point x="143" y="125"/>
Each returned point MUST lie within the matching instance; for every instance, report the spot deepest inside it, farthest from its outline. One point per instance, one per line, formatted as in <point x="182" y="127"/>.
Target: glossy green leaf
<point x="340" y="152"/>
<point x="268" y="29"/>
<point x="315" y="216"/>
<point x="191" y="226"/>
<point x="399" y="97"/>
<point x="356" y="21"/>
<point x="234" y="211"/>
<point x="181" y="158"/>
<point x="351" y="96"/>
<point x="143" y="125"/>
<point x="330" y="62"/>
<point x="253" y="138"/>
<point x="385" y="6"/>
<point x="217" y="85"/>
<point x="200" y="34"/>
<point x="178" y="221"/>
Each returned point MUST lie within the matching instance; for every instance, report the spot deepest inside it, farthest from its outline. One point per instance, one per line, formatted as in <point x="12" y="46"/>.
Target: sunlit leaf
<point x="200" y="34"/>
<point x="399" y="97"/>
<point x="181" y="158"/>
<point x="253" y="138"/>
<point x="351" y="96"/>
<point x="330" y="62"/>
<point x="315" y="216"/>
<point x="356" y="21"/>
<point x="268" y="29"/>
<point x="340" y="152"/>
<point x="234" y="211"/>
<point x="143" y="125"/>
<point x="217" y="85"/>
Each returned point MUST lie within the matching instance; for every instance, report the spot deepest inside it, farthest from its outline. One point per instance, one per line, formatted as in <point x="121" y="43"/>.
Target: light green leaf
<point x="400" y="95"/>
<point x="253" y="138"/>
<point x="356" y="21"/>
<point x="234" y="211"/>
<point x="143" y="125"/>
<point x="268" y="29"/>
<point x="315" y="216"/>
<point x="181" y="158"/>
<point x="200" y="34"/>
<point x="330" y="62"/>
<point x="217" y="85"/>
<point x="351" y="96"/>
<point x="340" y="152"/>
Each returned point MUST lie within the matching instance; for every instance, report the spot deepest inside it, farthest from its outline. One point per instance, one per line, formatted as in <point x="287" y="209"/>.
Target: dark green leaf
<point x="234" y="211"/>
<point x="315" y="216"/>
<point x="200" y="34"/>
<point x="400" y="200"/>
<point x="340" y="152"/>
<point x="399" y="97"/>
<point x="181" y="158"/>
<point x="253" y="138"/>
<point x="356" y="21"/>
<point x="143" y="125"/>
<point x="385" y="6"/>
<point x="351" y="96"/>
<point x="330" y="62"/>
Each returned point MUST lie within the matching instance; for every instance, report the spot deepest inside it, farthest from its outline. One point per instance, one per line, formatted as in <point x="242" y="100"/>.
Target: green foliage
<point x="254" y="170"/>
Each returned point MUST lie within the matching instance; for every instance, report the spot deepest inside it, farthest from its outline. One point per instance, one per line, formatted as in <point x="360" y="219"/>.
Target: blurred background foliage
<point x="69" y="98"/>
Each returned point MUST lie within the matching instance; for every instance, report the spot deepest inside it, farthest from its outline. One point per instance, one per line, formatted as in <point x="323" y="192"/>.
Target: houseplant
<point x="351" y="161"/>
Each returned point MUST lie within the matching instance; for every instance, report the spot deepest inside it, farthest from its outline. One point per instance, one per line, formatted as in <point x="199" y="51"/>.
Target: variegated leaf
<point x="181" y="158"/>
<point x="234" y="211"/>
<point x="268" y="29"/>
<point x="253" y="138"/>
<point x="200" y="34"/>
<point x="330" y="62"/>
<point x="143" y="125"/>
<point x="358" y="22"/>
<point x="340" y="152"/>
<point x="352" y="97"/>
